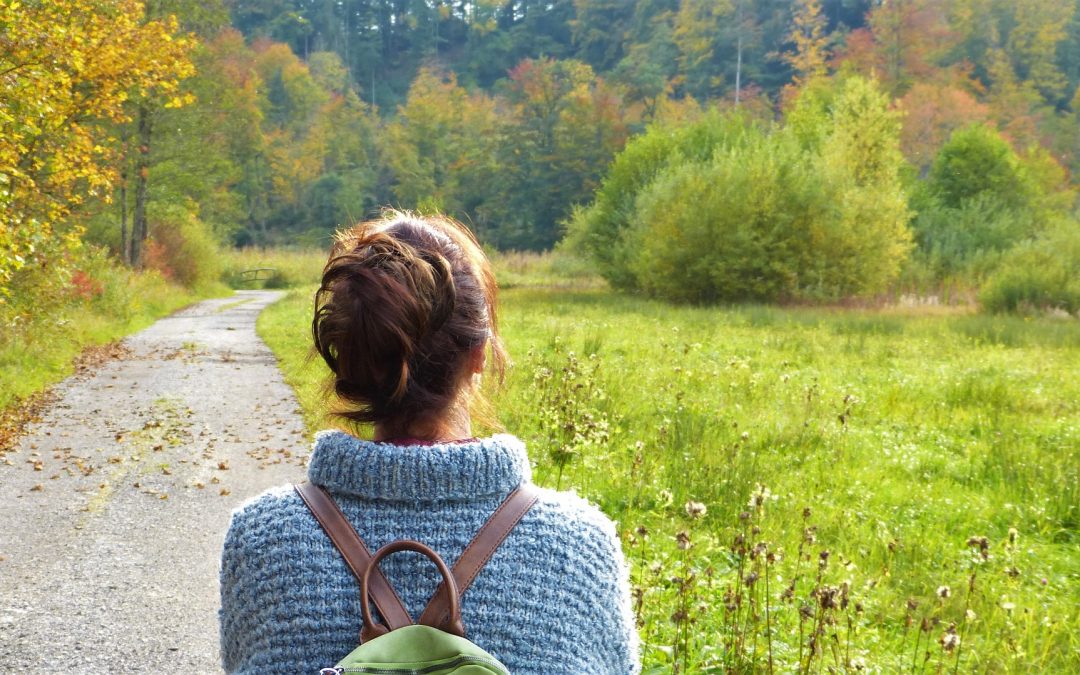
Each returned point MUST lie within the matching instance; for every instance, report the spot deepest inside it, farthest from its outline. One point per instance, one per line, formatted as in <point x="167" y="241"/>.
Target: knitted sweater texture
<point x="554" y="599"/>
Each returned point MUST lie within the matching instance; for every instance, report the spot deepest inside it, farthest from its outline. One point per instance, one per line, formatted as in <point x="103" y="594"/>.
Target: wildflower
<point x="695" y="509"/>
<point x="682" y="539"/>
<point x="858" y="663"/>
<point x="944" y="592"/>
<point x="1013" y="534"/>
<point x="656" y="567"/>
<point x="970" y="615"/>
<point x="665" y="497"/>
<point x="1008" y="606"/>
<point x="745" y="436"/>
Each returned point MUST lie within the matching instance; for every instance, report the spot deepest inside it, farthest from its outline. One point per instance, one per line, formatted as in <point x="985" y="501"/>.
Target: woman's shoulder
<point x="570" y="517"/>
<point x="278" y="508"/>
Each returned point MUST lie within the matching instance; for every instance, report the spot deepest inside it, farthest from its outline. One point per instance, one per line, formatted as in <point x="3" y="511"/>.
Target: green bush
<point x="598" y="229"/>
<point x="721" y="210"/>
<point x="978" y="161"/>
<point x="734" y="228"/>
<point x="1039" y="274"/>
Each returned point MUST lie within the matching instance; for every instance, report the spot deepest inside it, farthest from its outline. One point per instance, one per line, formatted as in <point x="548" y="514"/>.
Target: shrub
<point x="1038" y="274"/>
<point x="598" y="229"/>
<point x="722" y="210"/>
<point x="978" y="161"/>
<point x="182" y="249"/>
<point x="730" y="229"/>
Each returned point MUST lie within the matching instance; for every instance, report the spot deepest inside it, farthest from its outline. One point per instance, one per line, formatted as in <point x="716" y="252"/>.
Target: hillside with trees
<point x="273" y="123"/>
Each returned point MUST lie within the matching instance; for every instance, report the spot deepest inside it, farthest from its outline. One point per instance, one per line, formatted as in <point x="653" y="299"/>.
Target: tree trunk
<point x="142" y="172"/>
<point x="125" y="247"/>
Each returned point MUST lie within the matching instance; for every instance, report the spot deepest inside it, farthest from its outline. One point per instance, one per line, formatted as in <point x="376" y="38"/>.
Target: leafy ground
<point x="804" y="489"/>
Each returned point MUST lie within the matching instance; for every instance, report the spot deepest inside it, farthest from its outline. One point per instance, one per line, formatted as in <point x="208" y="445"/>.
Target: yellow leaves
<point x="70" y="65"/>
<point x="180" y="100"/>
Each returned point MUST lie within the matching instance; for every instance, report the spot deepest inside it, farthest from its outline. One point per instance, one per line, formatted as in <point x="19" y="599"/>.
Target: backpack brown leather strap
<point x="356" y="554"/>
<point x="480" y="550"/>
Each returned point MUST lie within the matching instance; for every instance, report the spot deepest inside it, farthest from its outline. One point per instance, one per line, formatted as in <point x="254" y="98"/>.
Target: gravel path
<point x="113" y="508"/>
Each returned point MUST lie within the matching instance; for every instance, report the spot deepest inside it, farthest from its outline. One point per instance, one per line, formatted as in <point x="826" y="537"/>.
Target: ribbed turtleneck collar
<point x="446" y="471"/>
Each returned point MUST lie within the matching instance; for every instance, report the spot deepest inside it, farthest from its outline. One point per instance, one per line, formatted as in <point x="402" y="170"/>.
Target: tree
<point x="1033" y="41"/>
<point x="65" y="68"/>
<point x="931" y="113"/>
<point x="439" y="149"/>
<point x="811" y="44"/>
<point x="565" y="126"/>
<point x="697" y="25"/>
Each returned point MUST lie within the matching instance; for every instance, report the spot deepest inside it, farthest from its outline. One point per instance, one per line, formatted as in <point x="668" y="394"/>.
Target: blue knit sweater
<point x="553" y="599"/>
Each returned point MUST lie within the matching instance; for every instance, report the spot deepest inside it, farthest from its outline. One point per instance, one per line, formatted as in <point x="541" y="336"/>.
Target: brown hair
<point x="404" y="302"/>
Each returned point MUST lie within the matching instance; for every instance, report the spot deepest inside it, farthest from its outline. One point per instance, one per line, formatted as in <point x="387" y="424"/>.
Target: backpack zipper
<point x="372" y="670"/>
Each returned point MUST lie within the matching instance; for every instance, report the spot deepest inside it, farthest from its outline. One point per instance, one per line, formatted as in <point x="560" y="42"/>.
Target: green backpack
<point x="436" y="643"/>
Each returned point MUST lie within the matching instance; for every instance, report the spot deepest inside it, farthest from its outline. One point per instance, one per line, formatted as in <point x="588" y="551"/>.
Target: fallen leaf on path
<point x="225" y="492"/>
<point x="37" y="488"/>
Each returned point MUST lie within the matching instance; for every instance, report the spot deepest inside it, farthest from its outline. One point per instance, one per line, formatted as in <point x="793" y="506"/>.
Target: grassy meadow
<point x="804" y="490"/>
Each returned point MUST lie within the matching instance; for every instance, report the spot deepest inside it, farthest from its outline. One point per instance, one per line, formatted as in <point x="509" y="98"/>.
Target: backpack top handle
<point x="452" y="623"/>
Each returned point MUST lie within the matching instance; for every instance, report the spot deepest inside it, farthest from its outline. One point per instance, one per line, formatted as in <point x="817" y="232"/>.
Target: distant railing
<point x="258" y="274"/>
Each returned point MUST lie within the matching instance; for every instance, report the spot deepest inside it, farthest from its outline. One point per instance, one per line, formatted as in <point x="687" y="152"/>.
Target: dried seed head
<point x="1013" y="535"/>
<point x="695" y="509"/>
<point x="752" y="578"/>
<point x="949" y="640"/>
<point x="682" y="540"/>
<point x="823" y="559"/>
<point x="912" y="604"/>
<point x="944" y="592"/>
<point x="806" y="513"/>
<point x="642" y="531"/>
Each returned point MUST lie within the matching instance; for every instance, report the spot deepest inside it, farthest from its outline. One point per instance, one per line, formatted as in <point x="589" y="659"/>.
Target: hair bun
<point x="401" y="305"/>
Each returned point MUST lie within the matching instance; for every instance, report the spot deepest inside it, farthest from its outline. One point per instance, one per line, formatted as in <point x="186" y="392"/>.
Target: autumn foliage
<point x="67" y="70"/>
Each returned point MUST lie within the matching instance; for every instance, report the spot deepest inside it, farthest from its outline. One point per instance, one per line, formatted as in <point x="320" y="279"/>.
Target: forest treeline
<point x="163" y="129"/>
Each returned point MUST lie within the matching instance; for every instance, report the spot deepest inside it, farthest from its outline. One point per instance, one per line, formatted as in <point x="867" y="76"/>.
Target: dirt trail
<point x="113" y="508"/>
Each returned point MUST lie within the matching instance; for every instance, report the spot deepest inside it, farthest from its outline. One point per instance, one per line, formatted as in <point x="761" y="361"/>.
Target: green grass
<point x="902" y="436"/>
<point x="46" y="332"/>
